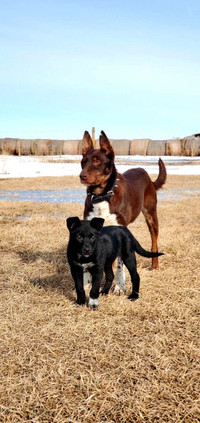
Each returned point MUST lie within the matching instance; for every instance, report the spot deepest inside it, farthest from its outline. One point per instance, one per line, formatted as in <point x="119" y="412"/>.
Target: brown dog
<point x="119" y="198"/>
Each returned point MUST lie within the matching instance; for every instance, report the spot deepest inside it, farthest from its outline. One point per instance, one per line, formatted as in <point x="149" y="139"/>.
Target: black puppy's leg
<point x="77" y="274"/>
<point x="94" y="293"/>
<point x="135" y="279"/>
<point x="130" y="263"/>
<point x="109" y="278"/>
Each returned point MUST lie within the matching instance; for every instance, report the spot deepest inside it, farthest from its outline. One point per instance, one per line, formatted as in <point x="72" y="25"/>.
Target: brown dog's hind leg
<point x="152" y="223"/>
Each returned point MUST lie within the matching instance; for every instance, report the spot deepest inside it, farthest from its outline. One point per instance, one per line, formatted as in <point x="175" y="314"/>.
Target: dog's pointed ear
<point x="73" y="223"/>
<point x="97" y="223"/>
<point x="106" y="145"/>
<point x="87" y="143"/>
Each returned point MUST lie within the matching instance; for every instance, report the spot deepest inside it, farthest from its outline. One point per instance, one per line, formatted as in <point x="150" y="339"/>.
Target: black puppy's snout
<point x="86" y="248"/>
<point x="86" y="252"/>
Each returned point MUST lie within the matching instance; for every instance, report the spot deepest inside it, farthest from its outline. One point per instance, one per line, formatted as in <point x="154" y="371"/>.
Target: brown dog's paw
<point x="119" y="290"/>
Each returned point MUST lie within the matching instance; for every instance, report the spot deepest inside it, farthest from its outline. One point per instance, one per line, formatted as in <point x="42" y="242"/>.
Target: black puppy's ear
<point x="105" y="145"/>
<point x="73" y="222"/>
<point x="87" y="143"/>
<point x="97" y="223"/>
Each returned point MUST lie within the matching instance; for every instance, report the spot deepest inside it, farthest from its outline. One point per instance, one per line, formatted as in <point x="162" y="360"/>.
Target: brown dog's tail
<point x="162" y="176"/>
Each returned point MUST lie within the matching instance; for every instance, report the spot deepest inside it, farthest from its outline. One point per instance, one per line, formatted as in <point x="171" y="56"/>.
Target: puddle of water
<point x="177" y="194"/>
<point x="78" y="195"/>
<point x="45" y="196"/>
<point x="22" y="217"/>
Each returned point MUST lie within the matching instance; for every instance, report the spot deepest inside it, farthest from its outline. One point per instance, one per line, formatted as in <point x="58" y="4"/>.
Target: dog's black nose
<point x="83" y="176"/>
<point x="86" y="252"/>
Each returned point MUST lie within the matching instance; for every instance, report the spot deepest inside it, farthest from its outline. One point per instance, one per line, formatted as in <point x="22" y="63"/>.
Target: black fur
<point x="98" y="247"/>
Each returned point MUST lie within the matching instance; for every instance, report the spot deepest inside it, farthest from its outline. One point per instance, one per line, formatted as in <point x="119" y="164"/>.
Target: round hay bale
<point x="71" y="147"/>
<point x="139" y="147"/>
<point x="187" y="145"/>
<point x="1" y="145"/>
<point x="41" y="147"/>
<point x="197" y="146"/>
<point x="56" y="147"/>
<point x="9" y="146"/>
<point x="121" y="147"/>
<point x="24" y="147"/>
<point x="191" y="145"/>
<point x="79" y="149"/>
<point x="173" y="147"/>
<point x="156" y="148"/>
<point x="38" y="147"/>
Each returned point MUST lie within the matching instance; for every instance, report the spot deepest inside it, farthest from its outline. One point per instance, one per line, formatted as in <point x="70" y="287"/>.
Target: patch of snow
<point x="34" y="166"/>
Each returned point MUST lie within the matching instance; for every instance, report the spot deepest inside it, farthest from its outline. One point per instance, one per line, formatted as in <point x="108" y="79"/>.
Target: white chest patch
<point x="102" y="210"/>
<point x="86" y="265"/>
<point x="87" y="277"/>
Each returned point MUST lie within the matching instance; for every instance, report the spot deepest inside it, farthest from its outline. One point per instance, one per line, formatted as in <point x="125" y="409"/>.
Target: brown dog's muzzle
<point x="86" y="178"/>
<point x="83" y="177"/>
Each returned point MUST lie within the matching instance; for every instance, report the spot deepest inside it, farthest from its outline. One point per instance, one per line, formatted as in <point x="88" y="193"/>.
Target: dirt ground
<point x="125" y="362"/>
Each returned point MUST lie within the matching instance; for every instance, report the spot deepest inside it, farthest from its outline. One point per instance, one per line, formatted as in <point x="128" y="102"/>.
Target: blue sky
<point x="131" y="68"/>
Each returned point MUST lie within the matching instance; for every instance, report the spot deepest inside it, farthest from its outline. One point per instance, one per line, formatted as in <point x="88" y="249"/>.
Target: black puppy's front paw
<point x="104" y="291"/>
<point x="93" y="303"/>
<point x="80" y="301"/>
<point x="134" y="296"/>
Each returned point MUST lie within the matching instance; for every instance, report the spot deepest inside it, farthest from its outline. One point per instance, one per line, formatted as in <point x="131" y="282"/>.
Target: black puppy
<point x="95" y="248"/>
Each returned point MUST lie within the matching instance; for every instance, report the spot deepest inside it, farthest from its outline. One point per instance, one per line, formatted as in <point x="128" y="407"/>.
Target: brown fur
<point x="135" y="191"/>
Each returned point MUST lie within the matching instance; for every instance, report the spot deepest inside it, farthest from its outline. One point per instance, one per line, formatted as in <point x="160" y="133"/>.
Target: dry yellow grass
<point x="126" y="362"/>
<point x="56" y="182"/>
<point x="61" y="182"/>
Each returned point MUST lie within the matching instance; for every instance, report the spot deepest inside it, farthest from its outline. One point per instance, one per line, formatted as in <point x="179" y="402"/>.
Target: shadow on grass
<point x="61" y="281"/>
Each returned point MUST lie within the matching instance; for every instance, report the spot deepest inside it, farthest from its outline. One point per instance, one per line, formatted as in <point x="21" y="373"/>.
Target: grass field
<point x="125" y="362"/>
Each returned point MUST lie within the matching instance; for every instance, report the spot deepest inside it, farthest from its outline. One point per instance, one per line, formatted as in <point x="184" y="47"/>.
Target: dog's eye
<point x="79" y="237"/>
<point x="92" y="238"/>
<point x="96" y="162"/>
